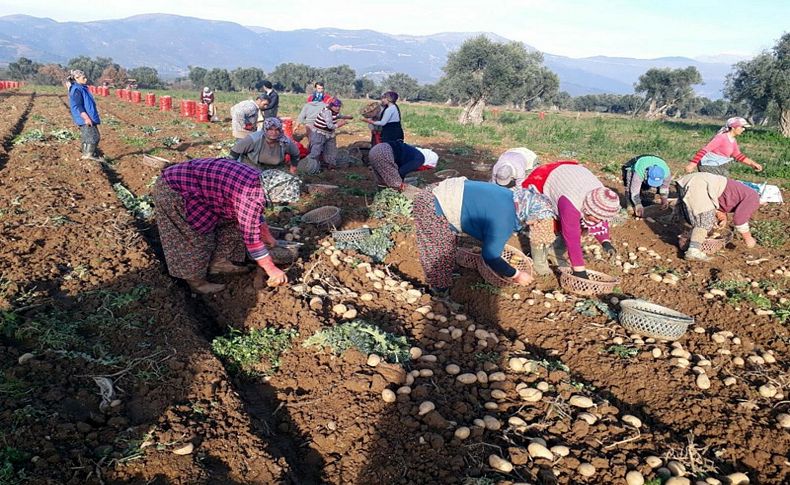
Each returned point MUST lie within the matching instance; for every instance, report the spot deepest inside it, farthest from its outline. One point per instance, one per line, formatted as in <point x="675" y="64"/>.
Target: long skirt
<point x="90" y="134"/>
<point x="188" y="253"/>
<point x="435" y="241"/>
<point x="723" y="169"/>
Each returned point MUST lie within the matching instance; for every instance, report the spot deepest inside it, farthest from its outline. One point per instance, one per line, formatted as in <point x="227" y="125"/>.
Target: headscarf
<point x="206" y="89"/>
<point x="531" y="205"/>
<point x="601" y="203"/>
<point x="335" y="103"/>
<point x="391" y="95"/>
<point x="734" y="122"/>
<point x="273" y="122"/>
<point x="75" y="73"/>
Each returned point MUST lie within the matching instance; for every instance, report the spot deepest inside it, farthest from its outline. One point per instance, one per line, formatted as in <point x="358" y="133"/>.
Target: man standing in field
<point x="273" y="98"/>
<point x="244" y="116"/>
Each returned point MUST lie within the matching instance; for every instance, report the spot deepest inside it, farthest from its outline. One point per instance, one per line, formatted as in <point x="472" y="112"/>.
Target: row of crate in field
<point x="189" y="108"/>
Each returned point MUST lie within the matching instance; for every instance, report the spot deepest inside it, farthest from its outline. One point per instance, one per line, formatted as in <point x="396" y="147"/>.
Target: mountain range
<point x="170" y="43"/>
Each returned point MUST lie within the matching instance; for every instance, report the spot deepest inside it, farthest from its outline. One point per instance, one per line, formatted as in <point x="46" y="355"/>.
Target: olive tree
<point x="762" y="81"/>
<point x="406" y="86"/>
<point x="146" y="77"/>
<point x="23" y="69"/>
<point x="664" y="89"/>
<point x="482" y="70"/>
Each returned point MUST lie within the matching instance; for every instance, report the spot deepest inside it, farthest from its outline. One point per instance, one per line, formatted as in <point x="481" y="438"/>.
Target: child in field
<point x="322" y="136"/>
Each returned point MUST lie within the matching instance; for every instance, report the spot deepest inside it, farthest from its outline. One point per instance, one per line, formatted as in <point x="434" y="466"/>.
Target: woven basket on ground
<point x="710" y="245"/>
<point x="351" y="235"/>
<point x="446" y="174"/>
<point x="321" y="188"/>
<point x="327" y="216"/>
<point x="467" y="258"/>
<point x="597" y="283"/>
<point x="651" y="320"/>
<point x="515" y="258"/>
<point x="371" y="110"/>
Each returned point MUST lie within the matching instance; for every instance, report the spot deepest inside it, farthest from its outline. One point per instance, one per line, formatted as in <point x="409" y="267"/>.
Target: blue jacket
<point x="488" y="214"/>
<point x="81" y="101"/>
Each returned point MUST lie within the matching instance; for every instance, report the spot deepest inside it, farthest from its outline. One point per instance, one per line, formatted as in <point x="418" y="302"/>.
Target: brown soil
<point x="67" y="243"/>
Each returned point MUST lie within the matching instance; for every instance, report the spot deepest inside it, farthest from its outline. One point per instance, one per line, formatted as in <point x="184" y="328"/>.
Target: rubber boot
<point x="540" y="263"/>
<point x="90" y="153"/>
<point x="85" y="154"/>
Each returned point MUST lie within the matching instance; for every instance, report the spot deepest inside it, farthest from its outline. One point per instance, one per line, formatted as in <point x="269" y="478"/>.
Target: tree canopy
<point x="665" y="88"/>
<point x="763" y="81"/>
<point x="23" y="69"/>
<point x="406" y="86"/>
<point x="482" y="70"/>
<point x="146" y="77"/>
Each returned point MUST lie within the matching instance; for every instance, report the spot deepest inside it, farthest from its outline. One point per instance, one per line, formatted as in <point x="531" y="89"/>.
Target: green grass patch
<point x="12" y="462"/>
<point x="365" y="337"/>
<point x="134" y="141"/>
<point x="29" y="136"/>
<point x="142" y="207"/>
<point x="255" y="353"/>
<point x="487" y="287"/>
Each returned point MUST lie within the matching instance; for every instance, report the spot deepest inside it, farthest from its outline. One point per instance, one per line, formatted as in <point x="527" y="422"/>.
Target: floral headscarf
<point x="531" y="205"/>
<point x="270" y="123"/>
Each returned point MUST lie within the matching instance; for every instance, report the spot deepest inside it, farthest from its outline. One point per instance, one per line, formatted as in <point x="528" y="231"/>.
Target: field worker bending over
<point x="717" y="156"/>
<point x="643" y="173"/>
<point x="322" y="136"/>
<point x="390" y="121"/>
<point x="209" y="210"/>
<point x="702" y="195"/>
<point x="244" y="115"/>
<point x="269" y="148"/>
<point x="513" y="166"/>
<point x="484" y="211"/>
<point x="581" y="202"/>
<point x="392" y="161"/>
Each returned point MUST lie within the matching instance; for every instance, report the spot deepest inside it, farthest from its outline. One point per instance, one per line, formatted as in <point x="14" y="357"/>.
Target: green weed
<point x="28" y="137"/>
<point x="740" y="291"/>
<point x="365" y="337"/>
<point x="11" y="465"/>
<point x="488" y="356"/>
<point x="245" y="353"/>
<point x="149" y="130"/>
<point x="13" y="388"/>
<point x="554" y="364"/>
<point x="354" y="176"/>
<point x="171" y="141"/>
<point x="508" y="118"/>
<point x="142" y="207"/>
<point x="388" y="203"/>
<point x="771" y="234"/>
<point x="622" y="351"/>
<point x="63" y="135"/>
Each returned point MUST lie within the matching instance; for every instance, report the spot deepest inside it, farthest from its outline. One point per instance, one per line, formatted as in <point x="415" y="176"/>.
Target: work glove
<point x="277" y="276"/>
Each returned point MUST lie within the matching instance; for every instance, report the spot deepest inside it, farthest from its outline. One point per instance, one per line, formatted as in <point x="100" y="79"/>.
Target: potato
<point x="426" y="407"/>
<point x="581" y="402"/>
<point x="466" y="378"/>
<point x="462" y="433"/>
<point x="586" y="470"/>
<point x="537" y="450"/>
<point x="388" y="396"/>
<point x="500" y="464"/>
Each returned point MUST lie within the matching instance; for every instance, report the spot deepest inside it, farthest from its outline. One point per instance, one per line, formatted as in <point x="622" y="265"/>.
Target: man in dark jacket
<point x="274" y="100"/>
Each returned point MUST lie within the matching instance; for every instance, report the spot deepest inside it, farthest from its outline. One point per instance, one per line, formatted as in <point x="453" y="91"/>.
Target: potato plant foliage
<point x="365" y="337"/>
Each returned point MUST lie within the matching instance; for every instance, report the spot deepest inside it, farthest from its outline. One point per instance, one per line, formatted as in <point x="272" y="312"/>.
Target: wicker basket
<point x="327" y="216"/>
<point x="321" y="188"/>
<point x="710" y="245"/>
<point x="651" y="320"/>
<point x="481" y="166"/>
<point x="597" y="283"/>
<point x="351" y="235"/>
<point x="515" y="258"/>
<point x="446" y="174"/>
<point x="371" y="110"/>
<point x="467" y="258"/>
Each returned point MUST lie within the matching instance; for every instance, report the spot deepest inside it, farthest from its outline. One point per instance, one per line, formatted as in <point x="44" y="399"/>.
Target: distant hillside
<point x="170" y="43"/>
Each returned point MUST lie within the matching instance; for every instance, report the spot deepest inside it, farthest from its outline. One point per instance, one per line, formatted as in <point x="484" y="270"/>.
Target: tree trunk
<point x="473" y="112"/>
<point x="784" y="120"/>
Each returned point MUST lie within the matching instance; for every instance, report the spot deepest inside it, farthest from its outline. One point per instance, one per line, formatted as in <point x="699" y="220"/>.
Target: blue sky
<point x="576" y="28"/>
